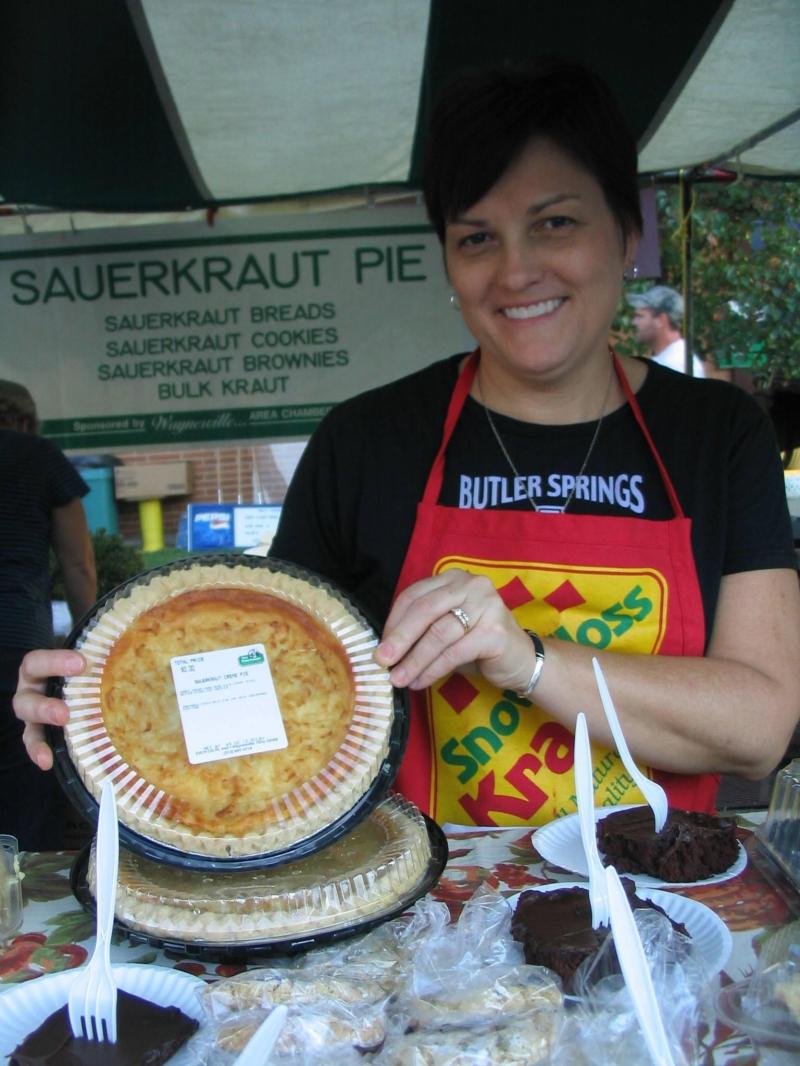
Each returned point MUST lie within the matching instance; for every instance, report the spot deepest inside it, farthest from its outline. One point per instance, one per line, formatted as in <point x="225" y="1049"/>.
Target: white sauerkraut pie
<point x="336" y="706"/>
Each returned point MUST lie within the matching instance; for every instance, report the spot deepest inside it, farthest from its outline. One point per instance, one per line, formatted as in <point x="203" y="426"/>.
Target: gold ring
<point x="463" y="618"/>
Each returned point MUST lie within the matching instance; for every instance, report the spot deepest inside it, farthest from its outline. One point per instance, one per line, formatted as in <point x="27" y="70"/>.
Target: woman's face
<point x="537" y="266"/>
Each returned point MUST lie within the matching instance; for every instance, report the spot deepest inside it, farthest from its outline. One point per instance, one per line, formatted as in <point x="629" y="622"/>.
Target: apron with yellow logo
<point x="478" y="755"/>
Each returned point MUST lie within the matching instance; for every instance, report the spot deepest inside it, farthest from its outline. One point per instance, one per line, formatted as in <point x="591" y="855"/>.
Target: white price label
<point x="227" y="703"/>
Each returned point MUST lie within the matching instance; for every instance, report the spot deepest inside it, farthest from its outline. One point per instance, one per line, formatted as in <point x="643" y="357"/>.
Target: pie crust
<point x="336" y="704"/>
<point x="378" y="865"/>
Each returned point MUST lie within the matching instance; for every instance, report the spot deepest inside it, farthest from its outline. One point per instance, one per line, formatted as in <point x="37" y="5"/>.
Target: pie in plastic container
<point x="779" y="835"/>
<point x="766" y="1007"/>
<point x="344" y="724"/>
<point x="385" y="863"/>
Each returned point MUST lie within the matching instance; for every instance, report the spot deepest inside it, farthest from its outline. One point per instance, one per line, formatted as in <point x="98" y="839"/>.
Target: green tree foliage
<point x="745" y="274"/>
<point x="115" y="560"/>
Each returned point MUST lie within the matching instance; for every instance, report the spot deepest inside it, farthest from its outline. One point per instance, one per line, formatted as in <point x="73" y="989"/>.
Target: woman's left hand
<point x="445" y="622"/>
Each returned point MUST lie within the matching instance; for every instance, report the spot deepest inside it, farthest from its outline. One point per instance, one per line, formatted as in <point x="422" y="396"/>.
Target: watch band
<point x="538" y="647"/>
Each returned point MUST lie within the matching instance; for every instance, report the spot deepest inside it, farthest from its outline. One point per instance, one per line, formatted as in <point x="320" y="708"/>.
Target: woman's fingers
<point x="37" y="748"/>
<point x="443" y="647"/>
<point x="33" y="707"/>
<point x="440" y="624"/>
<point x="415" y="610"/>
<point x="424" y="612"/>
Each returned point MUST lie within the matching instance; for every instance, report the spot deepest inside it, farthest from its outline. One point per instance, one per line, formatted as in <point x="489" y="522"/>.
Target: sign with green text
<point x="135" y="337"/>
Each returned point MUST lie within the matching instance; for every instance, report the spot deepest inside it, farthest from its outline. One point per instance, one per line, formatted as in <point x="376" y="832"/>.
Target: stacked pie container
<point x="294" y="852"/>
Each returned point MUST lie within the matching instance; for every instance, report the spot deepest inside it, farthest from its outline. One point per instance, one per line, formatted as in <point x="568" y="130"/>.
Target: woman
<point x="513" y="512"/>
<point x="41" y="495"/>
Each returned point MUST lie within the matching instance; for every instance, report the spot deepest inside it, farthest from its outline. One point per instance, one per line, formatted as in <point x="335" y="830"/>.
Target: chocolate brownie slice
<point x="146" y="1034"/>
<point x="555" y="928"/>
<point x="690" y="847"/>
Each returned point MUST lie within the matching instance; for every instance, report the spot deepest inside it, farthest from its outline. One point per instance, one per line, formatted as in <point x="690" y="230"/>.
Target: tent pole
<point x="686" y="191"/>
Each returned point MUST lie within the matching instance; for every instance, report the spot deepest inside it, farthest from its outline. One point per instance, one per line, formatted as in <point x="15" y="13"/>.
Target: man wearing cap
<point x="657" y="320"/>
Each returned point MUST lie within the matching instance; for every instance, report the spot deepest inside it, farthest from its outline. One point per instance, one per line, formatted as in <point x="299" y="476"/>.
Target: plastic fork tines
<point x="92" y="1004"/>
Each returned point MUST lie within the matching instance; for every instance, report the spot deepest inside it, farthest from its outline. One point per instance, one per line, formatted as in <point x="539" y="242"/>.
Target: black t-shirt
<point x="35" y="478"/>
<point x="351" y="506"/>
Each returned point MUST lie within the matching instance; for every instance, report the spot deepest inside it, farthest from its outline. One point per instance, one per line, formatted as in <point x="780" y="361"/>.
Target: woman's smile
<point x="544" y="307"/>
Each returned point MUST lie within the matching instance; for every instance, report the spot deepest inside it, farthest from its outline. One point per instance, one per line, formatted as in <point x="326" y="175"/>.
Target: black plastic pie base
<point x="206" y="951"/>
<point x="87" y="806"/>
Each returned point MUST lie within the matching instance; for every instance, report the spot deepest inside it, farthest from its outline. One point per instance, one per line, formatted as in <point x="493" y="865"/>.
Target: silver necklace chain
<point x="510" y="461"/>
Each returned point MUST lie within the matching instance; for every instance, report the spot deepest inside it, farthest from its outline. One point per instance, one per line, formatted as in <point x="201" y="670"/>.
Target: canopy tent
<point x="148" y="106"/>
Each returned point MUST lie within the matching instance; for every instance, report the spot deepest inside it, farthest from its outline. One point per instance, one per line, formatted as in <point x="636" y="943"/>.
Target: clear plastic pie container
<point x="345" y="726"/>
<point x="779" y="835"/>
<point x="378" y="869"/>
<point x="766" y="1008"/>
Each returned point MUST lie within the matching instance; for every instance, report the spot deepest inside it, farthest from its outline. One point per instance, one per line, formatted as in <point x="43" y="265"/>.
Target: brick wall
<point x="249" y="474"/>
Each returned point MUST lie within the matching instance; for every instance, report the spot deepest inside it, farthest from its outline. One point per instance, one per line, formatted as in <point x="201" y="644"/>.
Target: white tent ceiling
<point x="143" y="106"/>
<point x="746" y="83"/>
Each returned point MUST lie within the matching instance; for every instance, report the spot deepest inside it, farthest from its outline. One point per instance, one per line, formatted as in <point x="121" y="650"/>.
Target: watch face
<point x="282" y="728"/>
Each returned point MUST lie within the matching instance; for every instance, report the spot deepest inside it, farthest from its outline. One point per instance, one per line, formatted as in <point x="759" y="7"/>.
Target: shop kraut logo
<point x="498" y="758"/>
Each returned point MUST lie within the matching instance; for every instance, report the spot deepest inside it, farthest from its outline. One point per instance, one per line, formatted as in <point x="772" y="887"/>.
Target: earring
<point x="454" y="302"/>
<point x="632" y="274"/>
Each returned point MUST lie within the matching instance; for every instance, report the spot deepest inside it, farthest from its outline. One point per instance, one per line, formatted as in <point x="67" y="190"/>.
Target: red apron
<point x="477" y="755"/>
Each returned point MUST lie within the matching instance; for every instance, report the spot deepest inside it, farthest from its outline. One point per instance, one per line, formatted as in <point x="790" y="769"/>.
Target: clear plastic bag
<point x="521" y="1040"/>
<point x="316" y="1033"/>
<point x="425" y="991"/>
<point x="470" y="998"/>
<point x="601" y="1024"/>
<point x="335" y="1014"/>
<point x="766" y="1007"/>
<point x="418" y="990"/>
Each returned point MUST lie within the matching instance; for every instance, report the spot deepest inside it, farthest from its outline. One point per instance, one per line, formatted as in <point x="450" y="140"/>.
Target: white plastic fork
<point x="651" y="790"/>
<point x="92" y="1000"/>
<point x="636" y="971"/>
<point x="598" y="896"/>
<point x="257" y="1050"/>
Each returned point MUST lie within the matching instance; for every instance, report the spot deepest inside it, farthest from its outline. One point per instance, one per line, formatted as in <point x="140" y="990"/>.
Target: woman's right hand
<point x="453" y="619"/>
<point x="35" y="709"/>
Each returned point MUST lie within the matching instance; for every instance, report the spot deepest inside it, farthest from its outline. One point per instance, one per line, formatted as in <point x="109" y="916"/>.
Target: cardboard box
<point x="152" y="481"/>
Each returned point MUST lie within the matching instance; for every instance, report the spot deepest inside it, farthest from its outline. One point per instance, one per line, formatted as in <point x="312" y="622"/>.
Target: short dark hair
<point x="485" y="119"/>
<point x="17" y="408"/>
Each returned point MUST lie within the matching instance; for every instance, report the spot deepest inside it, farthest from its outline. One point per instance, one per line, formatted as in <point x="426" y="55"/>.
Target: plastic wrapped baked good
<point x="468" y="998"/>
<point x="322" y="1031"/>
<point x="262" y="989"/>
<point x="489" y="992"/>
<point x="335" y="1014"/>
<point x="520" y="1040"/>
<point x="481" y="1005"/>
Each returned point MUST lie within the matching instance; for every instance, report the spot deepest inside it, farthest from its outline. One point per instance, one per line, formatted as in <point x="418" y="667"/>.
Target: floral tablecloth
<point x="57" y="934"/>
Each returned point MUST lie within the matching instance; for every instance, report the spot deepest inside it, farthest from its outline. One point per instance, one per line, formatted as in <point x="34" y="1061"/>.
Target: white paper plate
<point x="709" y="933"/>
<point x="24" y="1007"/>
<point x="559" y="842"/>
